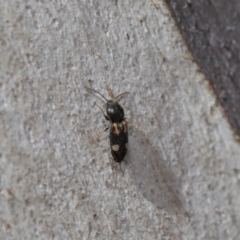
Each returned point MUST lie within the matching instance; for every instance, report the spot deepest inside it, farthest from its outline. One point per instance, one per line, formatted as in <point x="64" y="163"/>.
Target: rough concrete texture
<point x="181" y="177"/>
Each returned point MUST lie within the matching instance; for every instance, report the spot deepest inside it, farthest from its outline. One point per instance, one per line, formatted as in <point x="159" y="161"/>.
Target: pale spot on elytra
<point x="115" y="129"/>
<point x="115" y="147"/>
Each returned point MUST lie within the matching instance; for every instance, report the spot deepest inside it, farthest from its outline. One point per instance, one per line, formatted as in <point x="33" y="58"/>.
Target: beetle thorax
<point x="114" y="111"/>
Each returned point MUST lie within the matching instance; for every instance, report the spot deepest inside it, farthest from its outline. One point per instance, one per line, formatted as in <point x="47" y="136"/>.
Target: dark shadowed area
<point x="211" y="31"/>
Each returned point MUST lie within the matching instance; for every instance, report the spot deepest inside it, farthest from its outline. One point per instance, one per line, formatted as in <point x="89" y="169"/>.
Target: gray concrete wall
<point x="180" y="179"/>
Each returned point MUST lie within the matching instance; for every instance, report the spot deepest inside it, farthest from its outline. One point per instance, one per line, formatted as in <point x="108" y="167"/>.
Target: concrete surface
<point x="181" y="177"/>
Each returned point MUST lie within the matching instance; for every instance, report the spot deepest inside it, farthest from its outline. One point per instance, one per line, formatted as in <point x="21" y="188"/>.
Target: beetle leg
<point x="107" y="118"/>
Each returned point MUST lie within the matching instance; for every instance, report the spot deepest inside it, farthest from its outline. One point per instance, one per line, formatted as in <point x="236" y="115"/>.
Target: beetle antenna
<point x="92" y="90"/>
<point x="120" y="96"/>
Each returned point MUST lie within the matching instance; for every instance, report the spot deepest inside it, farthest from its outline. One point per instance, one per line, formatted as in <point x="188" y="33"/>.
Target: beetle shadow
<point x="153" y="176"/>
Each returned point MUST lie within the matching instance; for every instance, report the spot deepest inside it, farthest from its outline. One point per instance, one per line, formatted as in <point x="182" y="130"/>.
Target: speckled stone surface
<point x="181" y="176"/>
